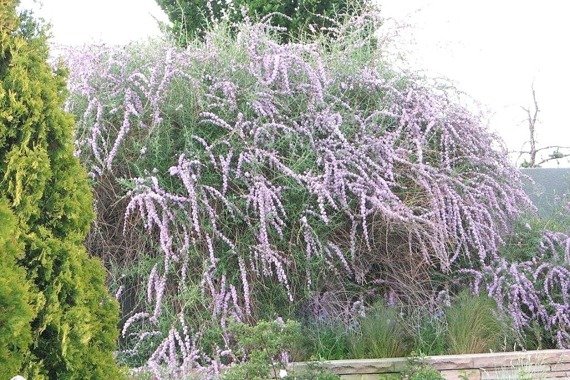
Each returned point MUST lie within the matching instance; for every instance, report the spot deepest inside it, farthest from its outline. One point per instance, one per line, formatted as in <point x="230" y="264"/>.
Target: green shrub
<point x="472" y="324"/>
<point x="74" y="330"/>
<point x="427" y="374"/>
<point x="262" y="344"/>
<point x="283" y="179"/>
<point x="418" y="369"/>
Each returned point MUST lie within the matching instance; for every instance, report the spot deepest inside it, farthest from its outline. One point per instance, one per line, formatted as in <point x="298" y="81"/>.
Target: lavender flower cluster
<point x="532" y="291"/>
<point x="296" y="154"/>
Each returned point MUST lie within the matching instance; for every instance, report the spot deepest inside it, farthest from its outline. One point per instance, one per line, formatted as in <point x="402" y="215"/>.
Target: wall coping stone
<point x="559" y="359"/>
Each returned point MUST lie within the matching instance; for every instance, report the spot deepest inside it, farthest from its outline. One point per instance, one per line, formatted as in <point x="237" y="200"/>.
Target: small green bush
<point x="472" y="324"/>
<point x="418" y="369"/>
<point x="427" y="373"/>
<point x="262" y="344"/>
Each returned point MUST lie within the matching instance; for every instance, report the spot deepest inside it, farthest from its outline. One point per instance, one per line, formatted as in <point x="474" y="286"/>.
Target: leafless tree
<point x="558" y="151"/>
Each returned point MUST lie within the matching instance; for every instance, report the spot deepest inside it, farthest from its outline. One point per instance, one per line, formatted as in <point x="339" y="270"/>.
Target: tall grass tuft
<point x="380" y="334"/>
<point x="472" y="325"/>
<point x="326" y="341"/>
<point x="429" y="333"/>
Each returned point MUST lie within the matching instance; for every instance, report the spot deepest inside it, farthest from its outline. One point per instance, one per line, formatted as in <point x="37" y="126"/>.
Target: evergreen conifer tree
<point x="57" y="320"/>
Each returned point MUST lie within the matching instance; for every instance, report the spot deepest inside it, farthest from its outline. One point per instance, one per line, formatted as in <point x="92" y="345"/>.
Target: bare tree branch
<point x="532" y="117"/>
<point x="550" y="158"/>
<point x="532" y="152"/>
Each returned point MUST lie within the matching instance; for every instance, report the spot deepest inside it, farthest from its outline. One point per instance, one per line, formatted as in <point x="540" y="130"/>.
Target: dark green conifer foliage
<point x="73" y="330"/>
<point x="190" y="18"/>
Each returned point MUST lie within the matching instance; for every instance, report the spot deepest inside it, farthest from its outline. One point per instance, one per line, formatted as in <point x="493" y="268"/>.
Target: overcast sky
<point x="491" y="49"/>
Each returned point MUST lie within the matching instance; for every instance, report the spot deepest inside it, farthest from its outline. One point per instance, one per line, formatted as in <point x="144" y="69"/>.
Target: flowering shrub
<point x="270" y="179"/>
<point x="532" y="287"/>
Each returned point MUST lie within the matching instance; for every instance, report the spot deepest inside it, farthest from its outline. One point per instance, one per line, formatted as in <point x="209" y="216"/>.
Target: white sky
<point x="492" y="49"/>
<point x="76" y="22"/>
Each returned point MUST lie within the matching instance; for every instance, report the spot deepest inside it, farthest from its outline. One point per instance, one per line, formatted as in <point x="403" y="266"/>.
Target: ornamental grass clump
<point x="381" y="334"/>
<point x="250" y="179"/>
<point x="473" y="325"/>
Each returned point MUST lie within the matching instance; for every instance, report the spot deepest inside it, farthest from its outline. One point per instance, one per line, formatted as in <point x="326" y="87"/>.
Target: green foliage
<point x="524" y="375"/>
<point x="52" y="280"/>
<point x="418" y="369"/>
<point x="16" y="311"/>
<point x="381" y="334"/>
<point x="523" y="244"/>
<point x="427" y="373"/>
<point x="262" y="344"/>
<point x="473" y="326"/>
<point x="326" y="341"/>
<point x="390" y="376"/>
<point x="470" y="325"/>
<point x="190" y="18"/>
<point x="430" y="334"/>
